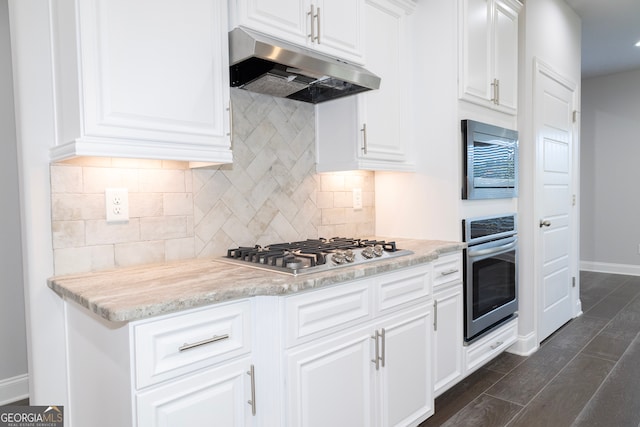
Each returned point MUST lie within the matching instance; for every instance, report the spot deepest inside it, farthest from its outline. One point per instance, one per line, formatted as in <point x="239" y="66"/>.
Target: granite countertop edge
<point x="135" y="293"/>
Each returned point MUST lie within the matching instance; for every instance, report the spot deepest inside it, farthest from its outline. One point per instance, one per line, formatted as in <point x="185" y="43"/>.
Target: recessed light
<point x="638" y="44"/>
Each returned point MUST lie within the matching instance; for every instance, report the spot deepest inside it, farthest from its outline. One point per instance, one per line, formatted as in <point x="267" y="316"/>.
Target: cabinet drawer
<point x="215" y="396"/>
<point x="403" y="286"/>
<point x="488" y="347"/>
<point x="321" y="311"/>
<point x="185" y="342"/>
<point x="447" y="269"/>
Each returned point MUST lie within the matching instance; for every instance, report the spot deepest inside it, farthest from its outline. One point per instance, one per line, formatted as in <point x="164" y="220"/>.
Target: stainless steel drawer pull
<point x="435" y="315"/>
<point x="497" y="344"/>
<point x="376" y="357"/>
<point x="383" y="335"/>
<point x="252" y="402"/>
<point x="215" y="338"/>
<point x="449" y="272"/>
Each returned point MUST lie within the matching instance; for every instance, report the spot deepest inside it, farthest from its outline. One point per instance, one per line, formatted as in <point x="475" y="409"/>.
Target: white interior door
<point x="554" y="104"/>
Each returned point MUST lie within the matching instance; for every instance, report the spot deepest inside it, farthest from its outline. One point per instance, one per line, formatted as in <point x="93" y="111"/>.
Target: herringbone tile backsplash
<point x="270" y="193"/>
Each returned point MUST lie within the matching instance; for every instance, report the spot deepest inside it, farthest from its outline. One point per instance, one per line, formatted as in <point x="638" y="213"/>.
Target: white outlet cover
<point x="357" y="198"/>
<point x="116" y="202"/>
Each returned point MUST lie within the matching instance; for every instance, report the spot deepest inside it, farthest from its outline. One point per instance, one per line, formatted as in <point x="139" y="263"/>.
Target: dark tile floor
<point x="585" y="374"/>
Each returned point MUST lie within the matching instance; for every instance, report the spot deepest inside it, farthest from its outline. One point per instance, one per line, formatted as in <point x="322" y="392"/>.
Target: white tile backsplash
<point x="270" y="193"/>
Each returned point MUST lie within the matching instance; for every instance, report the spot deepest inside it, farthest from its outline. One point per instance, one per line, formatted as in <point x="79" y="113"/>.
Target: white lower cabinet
<point x="374" y="371"/>
<point x="448" y="340"/>
<point x="216" y="396"/>
<point x="192" y="368"/>
<point x="370" y="352"/>
<point x="491" y="345"/>
<point x="377" y="374"/>
<point x="405" y="376"/>
<point x="330" y="383"/>
<point x="448" y="322"/>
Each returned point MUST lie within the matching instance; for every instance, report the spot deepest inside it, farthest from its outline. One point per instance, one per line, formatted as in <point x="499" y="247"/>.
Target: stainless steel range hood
<point x="269" y="66"/>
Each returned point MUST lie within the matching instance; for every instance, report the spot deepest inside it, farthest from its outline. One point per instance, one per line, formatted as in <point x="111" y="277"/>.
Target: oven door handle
<point x="489" y="251"/>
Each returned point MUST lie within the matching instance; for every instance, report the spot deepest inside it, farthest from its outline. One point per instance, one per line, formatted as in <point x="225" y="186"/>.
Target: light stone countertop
<point x="134" y="293"/>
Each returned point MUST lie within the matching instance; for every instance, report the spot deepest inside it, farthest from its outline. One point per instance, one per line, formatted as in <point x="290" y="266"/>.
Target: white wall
<point x="551" y="33"/>
<point x="425" y="204"/>
<point x="610" y="206"/>
<point x="30" y="48"/>
<point x="13" y="351"/>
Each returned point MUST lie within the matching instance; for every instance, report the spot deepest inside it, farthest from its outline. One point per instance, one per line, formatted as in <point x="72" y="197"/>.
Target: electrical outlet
<point x="357" y="198"/>
<point x="117" y="204"/>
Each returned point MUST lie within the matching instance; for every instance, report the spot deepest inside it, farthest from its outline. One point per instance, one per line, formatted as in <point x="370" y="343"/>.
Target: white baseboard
<point x="526" y="345"/>
<point x="607" y="267"/>
<point x="14" y="389"/>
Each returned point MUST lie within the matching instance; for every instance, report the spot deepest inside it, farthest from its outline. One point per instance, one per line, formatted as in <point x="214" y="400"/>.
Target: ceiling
<point x="610" y="29"/>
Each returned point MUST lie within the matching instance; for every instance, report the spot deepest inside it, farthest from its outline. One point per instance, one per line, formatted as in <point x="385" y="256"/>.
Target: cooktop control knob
<point x="378" y="250"/>
<point x="349" y="256"/>
<point x="368" y="252"/>
<point x="338" y="257"/>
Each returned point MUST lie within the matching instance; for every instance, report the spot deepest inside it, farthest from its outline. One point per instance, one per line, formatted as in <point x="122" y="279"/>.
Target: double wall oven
<point x="490" y="273"/>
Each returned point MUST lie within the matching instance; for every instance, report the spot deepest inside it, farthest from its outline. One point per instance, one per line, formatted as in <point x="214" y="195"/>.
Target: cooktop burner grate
<point x="313" y="255"/>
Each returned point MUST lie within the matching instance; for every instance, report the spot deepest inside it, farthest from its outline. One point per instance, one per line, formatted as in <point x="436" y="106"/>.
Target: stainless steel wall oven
<point x="490" y="273"/>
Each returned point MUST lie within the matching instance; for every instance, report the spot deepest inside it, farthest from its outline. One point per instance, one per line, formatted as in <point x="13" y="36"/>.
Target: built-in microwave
<point x="490" y="161"/>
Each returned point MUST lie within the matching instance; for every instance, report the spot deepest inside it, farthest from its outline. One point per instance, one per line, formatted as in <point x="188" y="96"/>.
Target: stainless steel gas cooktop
<point x="313" y="255"/>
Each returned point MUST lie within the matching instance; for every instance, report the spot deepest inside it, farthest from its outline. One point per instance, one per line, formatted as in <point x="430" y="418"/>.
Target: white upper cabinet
<point x="488" y="64"/>
<point x="369" y="131"/>
<point x="333" y="27"/>
<point x="142" y="79"/>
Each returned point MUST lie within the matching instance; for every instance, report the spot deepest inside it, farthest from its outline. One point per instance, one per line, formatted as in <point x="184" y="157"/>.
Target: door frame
<point x="542" y="69"/>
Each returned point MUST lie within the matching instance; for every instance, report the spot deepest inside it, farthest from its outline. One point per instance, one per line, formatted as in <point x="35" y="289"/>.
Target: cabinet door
<point x="288" y="20"/>
<point x="153" y="80"/>
<point x="334" y="27"/>
<point x="405" y="377"/>
<point x="489" y="53"/>
<point x="330" y="382"/>
<point x="475" y="65"/>
<point x="367" y="131"/>
<point x="216" y="396"/>
<point x="506" y="54"/>
<point x="382" y="111"/>
<point x="339" y="28"/>
<point x="448" y="340"/>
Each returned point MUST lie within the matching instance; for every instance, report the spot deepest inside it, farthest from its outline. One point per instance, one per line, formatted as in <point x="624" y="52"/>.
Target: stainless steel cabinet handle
<point x="312" y="18"/>
<point x="383" y="335"/>
<point x="435" y="315"/>
<point x="449" y="272"/>
<point x="545" y="223"/>
<point x="215" y="338"/>
<point x="497" y="91"/>
<point x="317" y="38"/>
<point x="252" y="373"/>
<point x="494" y="98"/>
<point x="364" y="138"/>
<point x="376" y="357"/>
<point x="497" y="344"/>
